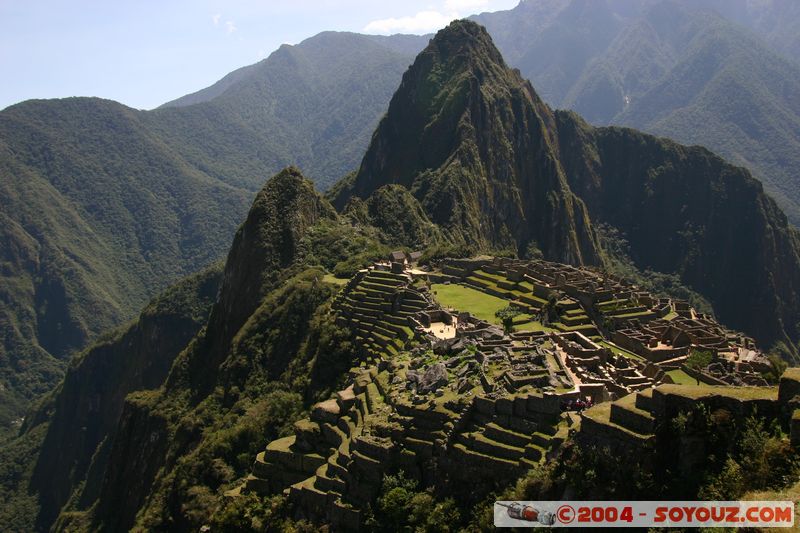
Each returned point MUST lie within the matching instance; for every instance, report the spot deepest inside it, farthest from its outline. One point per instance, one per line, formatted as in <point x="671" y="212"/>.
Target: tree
<point x="507" y="316"/>
<point x="532" y="251"/>
<point x="699" y="359"/>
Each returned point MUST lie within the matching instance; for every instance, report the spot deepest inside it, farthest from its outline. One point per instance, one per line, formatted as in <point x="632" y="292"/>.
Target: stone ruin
<point x="606" y="308"/>
<point x="333" y="465"/>
<point x="628" y="425"/>
<point x="456" y="403"/>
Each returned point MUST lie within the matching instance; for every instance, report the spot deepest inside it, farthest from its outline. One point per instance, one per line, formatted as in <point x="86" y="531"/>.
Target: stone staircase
<point x="496" y="283"/>
<point x="503" y="435"/>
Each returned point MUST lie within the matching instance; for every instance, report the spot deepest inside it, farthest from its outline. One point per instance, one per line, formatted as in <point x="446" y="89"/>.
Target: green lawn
<point x="330" y="278"/>
<point x="480" y="305"/>
<point x="463" y="298"/>
<point x="681" y="378"/>
<point x="531" y="325"/>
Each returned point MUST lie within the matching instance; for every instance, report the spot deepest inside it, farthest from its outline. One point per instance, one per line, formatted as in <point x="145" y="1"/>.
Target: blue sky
<point x="145" y="53"/>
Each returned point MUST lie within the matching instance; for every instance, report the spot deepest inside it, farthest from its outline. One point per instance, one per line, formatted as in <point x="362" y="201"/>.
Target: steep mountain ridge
<point x="715" y="73"/>
<point x="263" y="327"/>
<point x="99" y="215"/>
<point x="473" y="143"/>
<point x="270" y="347"/>
<point x="265" y="245"/>
<point x="490" y="163"/>
<point x="313" y="105"/>
<point x="103" y="205"/>
<point x="733" y="95"/>
<point x="92" y="393"/>
<point x="684" y="210"/>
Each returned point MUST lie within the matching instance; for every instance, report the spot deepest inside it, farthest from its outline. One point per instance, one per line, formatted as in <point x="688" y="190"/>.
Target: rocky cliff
<point x="250" y="358"/>
<point x="87" y="405"/>
<point x="493" y="166"/>
<point x="684" y="210"/>
<point x="467" y="154"/>
<point x="476" y="146"/>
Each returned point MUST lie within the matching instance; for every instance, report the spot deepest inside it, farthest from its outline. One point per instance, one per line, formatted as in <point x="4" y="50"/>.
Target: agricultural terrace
<point x="480" y="305"/>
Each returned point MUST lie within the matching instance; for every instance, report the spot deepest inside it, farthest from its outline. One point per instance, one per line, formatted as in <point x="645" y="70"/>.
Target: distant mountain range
<point x="103" y="205"/>
<point x="711" y="72"/>
<point x="494" y="167"/>
<point x="152" y="425"/>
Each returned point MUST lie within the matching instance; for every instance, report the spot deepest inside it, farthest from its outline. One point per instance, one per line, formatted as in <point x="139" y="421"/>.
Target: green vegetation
<point x="751" y="456"/>
<point x="241" y="373"/>
<point x="104" y="206"/>
<point x="402" y="506"/>
<point x="699" y="359"/>
<point x="693" y="259"/>
<point x="456" y="178"/>
<point x="506" y="315"/>
<point x="341" y="248"/>
<point x="330" y="278"/>
<point x="99" y="216"/>
<point x="747" y="456"/>
<point x="681" y="378"/>
<point x="619" y="262"/>
<point x="677" y="71"/>
<point x="479" y="304"/>
<point x="399" y="215"/>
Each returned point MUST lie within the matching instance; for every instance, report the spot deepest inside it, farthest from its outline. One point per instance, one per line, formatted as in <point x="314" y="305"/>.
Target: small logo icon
<point x="566" y="514"/>
<point x="527" y="513"/>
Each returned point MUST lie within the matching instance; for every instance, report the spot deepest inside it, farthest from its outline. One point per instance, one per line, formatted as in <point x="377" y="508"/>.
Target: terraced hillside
<point x="459" y="403"/>
<point x="376" y="305"/>
<point x="661" y="425"/>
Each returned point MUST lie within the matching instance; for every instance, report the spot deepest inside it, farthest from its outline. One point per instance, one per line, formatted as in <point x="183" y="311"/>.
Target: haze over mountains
<point x="469" y="149"/>
<point x="495" y="167"/>
<point x="127" y="201"/>
<point x="721" y="74"/>
<point x="103" y="206"/>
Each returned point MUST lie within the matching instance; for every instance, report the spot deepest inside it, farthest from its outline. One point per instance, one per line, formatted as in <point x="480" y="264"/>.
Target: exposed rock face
<point x="433" y="378"/>
<point x="494" y="167"/>
<point x="87" y="407"/>
<point x="146" y="444"/>
<point x="468" y="146"/>
<point x="684" y="210"/>
<point x="430" y="380"/>
<point x="266" y="243"/>
<point x="142" y="439"/>
<point x="475" y="145"/>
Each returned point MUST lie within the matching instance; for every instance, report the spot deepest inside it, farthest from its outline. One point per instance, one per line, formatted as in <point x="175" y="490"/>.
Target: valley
<point x="465" y="295"/>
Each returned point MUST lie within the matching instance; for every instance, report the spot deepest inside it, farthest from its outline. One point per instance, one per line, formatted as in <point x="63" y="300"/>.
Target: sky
<point x="147" y="52"/>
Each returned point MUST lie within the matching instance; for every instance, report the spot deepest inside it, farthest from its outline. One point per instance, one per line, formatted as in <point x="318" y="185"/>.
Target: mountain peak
<point x="265" y="244"/>
<point x="475" y="145"/>
<point x="465" y="38"/>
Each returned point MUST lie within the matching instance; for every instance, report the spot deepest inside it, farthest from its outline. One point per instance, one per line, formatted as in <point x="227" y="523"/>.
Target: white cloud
<point x="215" y="19"/>
<point x="422" y="22"/>
<point x="461" y="6"/>
<point x="230" y="26"/>
<point x="429" y="20"/>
